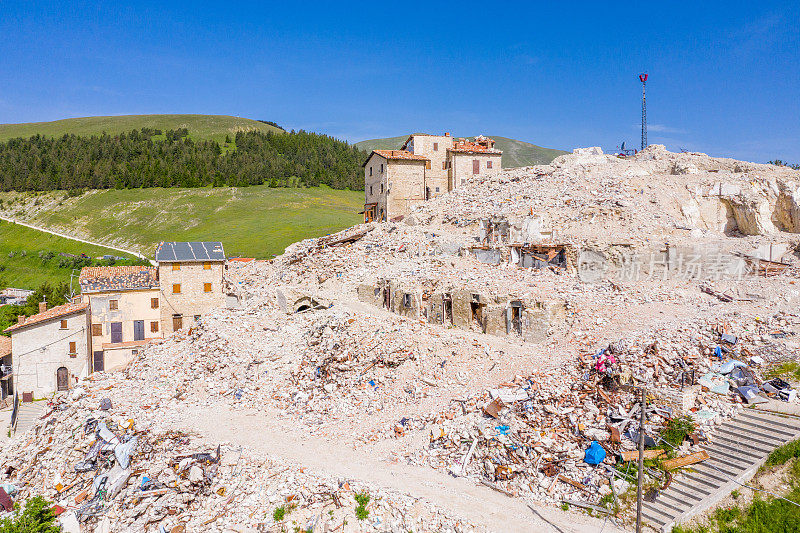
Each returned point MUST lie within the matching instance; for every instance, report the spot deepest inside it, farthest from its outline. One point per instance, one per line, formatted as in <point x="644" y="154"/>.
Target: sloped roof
<point x="396" y="155"/>
<point x="186" y="252"/>
<point x="118" y="278"/>
<point x="55" y="312"/>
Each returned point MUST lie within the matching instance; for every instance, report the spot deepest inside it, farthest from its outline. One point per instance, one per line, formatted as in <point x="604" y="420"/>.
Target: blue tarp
<point x="594" y="454"/>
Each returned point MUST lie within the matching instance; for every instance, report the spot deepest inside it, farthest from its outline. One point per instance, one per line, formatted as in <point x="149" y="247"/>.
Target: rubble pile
<point x="314" y="345"/>
<point x="106" y="474"/>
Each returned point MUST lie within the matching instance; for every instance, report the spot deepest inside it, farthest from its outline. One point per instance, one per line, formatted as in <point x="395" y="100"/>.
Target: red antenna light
<point x="642" y="78"/>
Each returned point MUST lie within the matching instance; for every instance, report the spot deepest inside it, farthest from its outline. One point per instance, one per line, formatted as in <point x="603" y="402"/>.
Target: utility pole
<point x="643" y="405"/>
<point x="643" y="79"/>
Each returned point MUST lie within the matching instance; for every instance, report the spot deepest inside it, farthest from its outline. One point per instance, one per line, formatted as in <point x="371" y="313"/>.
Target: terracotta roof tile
<point x="120" y="278"/>
<point x="468" y="147"/>
<point x="397" y="155"/>
<point x="55" y="312"/>
<point x="5" y="345"/>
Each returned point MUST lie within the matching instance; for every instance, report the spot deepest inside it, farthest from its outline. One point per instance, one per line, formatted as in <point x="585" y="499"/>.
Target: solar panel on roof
<point x="190" y="251"/>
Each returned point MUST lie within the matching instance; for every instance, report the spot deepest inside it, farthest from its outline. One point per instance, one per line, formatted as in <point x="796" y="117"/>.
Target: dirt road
<point x="264" y="433"/>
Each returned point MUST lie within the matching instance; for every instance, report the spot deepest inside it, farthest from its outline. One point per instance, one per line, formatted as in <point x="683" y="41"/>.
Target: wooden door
<point x="177" y="322"/>
<point x="138" y="330"/>
<point x="98" y="361"/>
<point x="62" y="378"/>
<point x="116" y="332"/>
<point x="476" y="166"/>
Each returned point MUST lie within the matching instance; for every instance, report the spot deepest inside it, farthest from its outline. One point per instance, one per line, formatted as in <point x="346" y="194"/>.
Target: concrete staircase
<point x="738" y="449"/>
<point x="29" y="414"/>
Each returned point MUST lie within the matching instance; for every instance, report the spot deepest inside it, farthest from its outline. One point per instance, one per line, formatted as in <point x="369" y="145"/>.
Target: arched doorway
<point x="62" y="378"/>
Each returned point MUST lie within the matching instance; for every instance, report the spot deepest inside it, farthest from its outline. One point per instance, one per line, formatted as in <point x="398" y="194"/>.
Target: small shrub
<point x="781" y="455"/>
<point x="677" y="429"/>
<point x="362" y="499"/>
<point x="279" y="513"/>
<point x="36" y="517"/>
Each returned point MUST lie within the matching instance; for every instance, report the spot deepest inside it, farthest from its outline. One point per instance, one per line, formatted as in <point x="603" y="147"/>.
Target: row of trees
<point x="134" y="159"/>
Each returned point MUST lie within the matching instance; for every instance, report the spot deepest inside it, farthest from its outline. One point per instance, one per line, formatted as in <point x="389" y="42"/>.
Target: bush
<point x="362" y="499"/>
<point x="677" y="429"/>
<point x="37" y="517"/>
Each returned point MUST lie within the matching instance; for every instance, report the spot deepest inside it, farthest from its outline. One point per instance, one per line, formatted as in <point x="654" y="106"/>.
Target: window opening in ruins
<point x="447" y="305"/>
<point x="476" y="312"/>
<point x="387" y="298"/>
<point x="406" y="300"/>
<point x="514" y="318"/>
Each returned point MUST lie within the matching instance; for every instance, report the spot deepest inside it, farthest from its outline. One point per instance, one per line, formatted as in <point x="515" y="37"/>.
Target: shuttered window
<point x="73" y="350"/>
<point x="207" y="287"/>
<point x="97" y="330"/>
<point x="154" y="303"/>
<point x="154" y="327"/>
<point x="176" y="288"/>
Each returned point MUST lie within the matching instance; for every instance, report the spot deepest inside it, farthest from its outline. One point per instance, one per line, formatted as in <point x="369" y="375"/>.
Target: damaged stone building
<point x="425" y="166"/>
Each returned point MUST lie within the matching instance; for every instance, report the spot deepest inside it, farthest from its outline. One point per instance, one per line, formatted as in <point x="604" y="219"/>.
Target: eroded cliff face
<point x="787" y="206"/>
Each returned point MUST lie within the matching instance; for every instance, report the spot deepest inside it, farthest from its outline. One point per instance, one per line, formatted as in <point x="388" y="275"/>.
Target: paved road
<point x="265" y="433"/>
<point x="64" y="235"/>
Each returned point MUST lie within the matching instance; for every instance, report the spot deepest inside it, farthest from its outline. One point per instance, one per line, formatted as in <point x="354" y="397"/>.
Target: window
<point x="427" y="165"/>
<point x="370" y="190"/>
<point x="406" y="300"/>
<point x="381" y="167"/>
<point x="435" y="147"/>
<point x="73" y="350"/>
<point x="381" y="188"/>
<point x="113" y="305"/>
<point x="154" y="326"/>
<point x="176" y="288"/>
<point x="206" y="266"/>
<point x="437" y="189"/>
<point x="153" y="303"/>
<point x="63" y="324"/>
<point x="444" y="165"/>
<point x="488" y="164"/>
<point x="97" y="330"/>
<point x="370" y="171"/>
<point x="206" y="287"/>
<point x="176" y="266"/>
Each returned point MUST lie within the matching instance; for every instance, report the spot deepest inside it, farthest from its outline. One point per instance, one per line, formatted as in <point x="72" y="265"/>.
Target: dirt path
<point x="264" y="433"/>
<point x="65" y="236"/>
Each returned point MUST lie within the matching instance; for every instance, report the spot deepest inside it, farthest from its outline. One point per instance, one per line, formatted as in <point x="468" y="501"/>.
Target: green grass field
<point x="515" y="153"/>
<point x="214" y="127"/>
<point x="25" y="270"/>
<point x="250" y="221"/>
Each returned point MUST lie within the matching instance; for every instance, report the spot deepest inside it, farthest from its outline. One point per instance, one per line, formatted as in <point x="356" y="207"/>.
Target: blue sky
<point x="724" y="76"/>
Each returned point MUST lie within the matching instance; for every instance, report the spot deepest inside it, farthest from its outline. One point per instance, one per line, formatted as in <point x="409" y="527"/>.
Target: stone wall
<point x="192" y="300"/>
<point x="375" y="184"/>
<point x="405" y="181"/>
<point x="461" y="167"/>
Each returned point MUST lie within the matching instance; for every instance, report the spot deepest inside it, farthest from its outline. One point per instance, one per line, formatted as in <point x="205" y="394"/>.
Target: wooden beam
<point x="686" y="460"/>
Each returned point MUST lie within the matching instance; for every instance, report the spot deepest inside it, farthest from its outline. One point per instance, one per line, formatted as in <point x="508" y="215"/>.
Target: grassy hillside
<point x="253" y="221"/>
<point x="21" y="265"/>
<point x="213" y="127"/>
<point x="515" y="153"/>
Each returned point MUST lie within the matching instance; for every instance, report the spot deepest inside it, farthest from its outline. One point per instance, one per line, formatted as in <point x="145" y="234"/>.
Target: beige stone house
<point x="125" y="309"/>
<point x="424" y="167"/>
<point x="51" y="349"/>
<point x="191" y="278"/>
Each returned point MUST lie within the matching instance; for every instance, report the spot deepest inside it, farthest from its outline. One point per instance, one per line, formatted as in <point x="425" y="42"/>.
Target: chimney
<point x="447" y="134"/>
<point x="42" y="307"/>
<point x="20" y="319"/>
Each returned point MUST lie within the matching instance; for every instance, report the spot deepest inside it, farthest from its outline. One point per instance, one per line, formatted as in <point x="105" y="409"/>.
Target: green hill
<point x="515" y="153"/>
<point x="24" y="265"/>
<point x="205" y="127"/>
<point x="255" y="221"/>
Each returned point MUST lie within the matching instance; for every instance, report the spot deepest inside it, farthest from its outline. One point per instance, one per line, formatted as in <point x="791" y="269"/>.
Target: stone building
<point x="125" y="308"/>
<point x="6" y="368"/>
<point x="191" y="278"/>
<point x="424" y="167"/>
<point x="51" y="349"/>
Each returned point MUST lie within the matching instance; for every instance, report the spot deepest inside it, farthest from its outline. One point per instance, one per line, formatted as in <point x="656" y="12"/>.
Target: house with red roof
<point x="50" y="349"/>
<point x="423" y="168"/>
